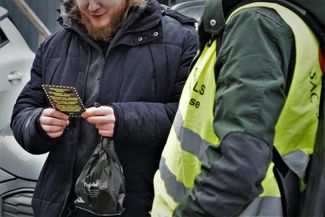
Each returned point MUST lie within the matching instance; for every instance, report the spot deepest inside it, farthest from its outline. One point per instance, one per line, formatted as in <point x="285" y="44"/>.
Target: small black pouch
<point x="100" y="188"/>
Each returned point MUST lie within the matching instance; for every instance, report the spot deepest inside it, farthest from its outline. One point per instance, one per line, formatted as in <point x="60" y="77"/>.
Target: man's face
<point x="101" y="17"/>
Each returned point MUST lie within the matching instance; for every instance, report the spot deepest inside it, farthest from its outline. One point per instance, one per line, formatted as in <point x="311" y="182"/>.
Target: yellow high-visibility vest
<point x="192" y="131"/>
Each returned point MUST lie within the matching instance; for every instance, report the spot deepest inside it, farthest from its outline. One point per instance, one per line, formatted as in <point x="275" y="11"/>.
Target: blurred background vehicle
<point x="19" y="170"/>
<point x="28" y="23"/>
<point x="192" y="8"/>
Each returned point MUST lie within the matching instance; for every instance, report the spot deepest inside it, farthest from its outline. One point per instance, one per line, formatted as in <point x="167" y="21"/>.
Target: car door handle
<point x="15" y="76"/>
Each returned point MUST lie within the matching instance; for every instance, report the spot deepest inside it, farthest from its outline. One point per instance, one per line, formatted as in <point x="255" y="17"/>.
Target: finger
<point x="105" y="126"/>
<point x="52" y="129"/>
<point x="55" y="135"/>
<point x="50" y="112"/>
<point x="106" y="133"/>
<point x="101" y="119"/>
<point x="46" y="120"/>
<point x="97" y="111"/>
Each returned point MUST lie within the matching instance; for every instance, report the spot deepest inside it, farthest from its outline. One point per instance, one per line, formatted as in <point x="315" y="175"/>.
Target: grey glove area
<point x="232" y="175"/>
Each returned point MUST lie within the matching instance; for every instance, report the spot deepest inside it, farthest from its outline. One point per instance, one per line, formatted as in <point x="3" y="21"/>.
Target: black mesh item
<point x="100" y="188"/>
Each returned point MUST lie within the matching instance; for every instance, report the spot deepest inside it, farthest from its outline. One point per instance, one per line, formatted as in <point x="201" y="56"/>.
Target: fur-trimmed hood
<point x="69" y="17"/>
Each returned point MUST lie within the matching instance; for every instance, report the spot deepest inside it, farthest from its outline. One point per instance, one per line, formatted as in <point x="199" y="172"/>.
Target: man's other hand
<point x="103" y="117"/>
<point x="53" y="122"/>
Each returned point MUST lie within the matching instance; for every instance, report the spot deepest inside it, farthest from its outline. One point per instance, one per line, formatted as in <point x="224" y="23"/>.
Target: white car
<point x="19" y="170"/>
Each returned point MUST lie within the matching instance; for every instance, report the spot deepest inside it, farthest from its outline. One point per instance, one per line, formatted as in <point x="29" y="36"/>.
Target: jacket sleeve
<point x="151" y="121"/>
<point x="252" y="72"/>
<point x="26" y="111"/>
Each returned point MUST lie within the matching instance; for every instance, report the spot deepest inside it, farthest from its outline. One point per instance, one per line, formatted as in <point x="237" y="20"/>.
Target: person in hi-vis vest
<point x="255" y="85"/>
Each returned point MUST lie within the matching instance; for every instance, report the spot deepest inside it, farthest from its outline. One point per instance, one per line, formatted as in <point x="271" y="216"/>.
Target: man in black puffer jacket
<point x="130" y="56"/>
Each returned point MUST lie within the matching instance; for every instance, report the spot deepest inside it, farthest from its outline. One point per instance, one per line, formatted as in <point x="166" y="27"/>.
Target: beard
<point x="107" y="32"/>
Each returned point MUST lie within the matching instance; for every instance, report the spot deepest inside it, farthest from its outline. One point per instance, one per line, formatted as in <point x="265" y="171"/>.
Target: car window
<point x="3" y="38"/>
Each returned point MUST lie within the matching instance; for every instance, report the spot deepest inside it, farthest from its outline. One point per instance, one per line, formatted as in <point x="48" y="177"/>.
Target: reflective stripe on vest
<point x="193" y="132"/>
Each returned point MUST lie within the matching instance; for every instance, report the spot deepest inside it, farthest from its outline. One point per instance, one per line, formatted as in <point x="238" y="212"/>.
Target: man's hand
<point x="53" y="122"/>
<point x="103" y="117"/>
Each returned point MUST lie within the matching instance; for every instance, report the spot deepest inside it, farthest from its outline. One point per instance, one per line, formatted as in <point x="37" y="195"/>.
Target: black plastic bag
<point x="100" y="188"/>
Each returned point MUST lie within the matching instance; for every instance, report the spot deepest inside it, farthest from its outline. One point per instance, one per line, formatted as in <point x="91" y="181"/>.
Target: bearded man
<point x="130" y="56"/>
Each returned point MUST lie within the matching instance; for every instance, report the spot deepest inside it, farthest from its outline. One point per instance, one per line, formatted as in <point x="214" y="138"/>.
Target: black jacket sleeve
<point x="24" y="120"/>
<point x="151" y="121"/>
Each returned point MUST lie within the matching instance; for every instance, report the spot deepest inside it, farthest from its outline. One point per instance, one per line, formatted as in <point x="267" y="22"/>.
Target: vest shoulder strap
<point x="312" y="22"/>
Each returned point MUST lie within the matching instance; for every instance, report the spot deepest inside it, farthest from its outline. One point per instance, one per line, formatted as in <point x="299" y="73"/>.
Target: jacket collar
<point x="213" y="19"/>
